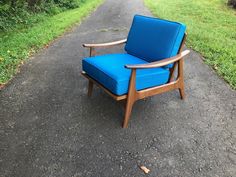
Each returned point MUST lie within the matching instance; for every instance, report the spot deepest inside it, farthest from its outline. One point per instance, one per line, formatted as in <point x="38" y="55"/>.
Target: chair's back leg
<point x="181" y="70"/>
<point x="172" y="71"/>
<point x="90" y="88"/>
<point x="92" y="53"/>
<point x="181" y="78"/>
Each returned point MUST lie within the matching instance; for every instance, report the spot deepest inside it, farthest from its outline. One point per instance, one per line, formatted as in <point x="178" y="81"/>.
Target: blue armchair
<point x="153" y="51"/>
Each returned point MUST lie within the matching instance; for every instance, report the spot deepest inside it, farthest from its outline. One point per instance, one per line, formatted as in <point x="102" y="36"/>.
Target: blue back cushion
<point x="153" y="39"/>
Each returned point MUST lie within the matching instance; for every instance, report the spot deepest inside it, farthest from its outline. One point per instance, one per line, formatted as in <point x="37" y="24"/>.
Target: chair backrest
<point x="153" y="39"/>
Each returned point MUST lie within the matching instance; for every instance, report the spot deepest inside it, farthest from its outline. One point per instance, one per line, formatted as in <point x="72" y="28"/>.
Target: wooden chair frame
<point x="134" y="95"/>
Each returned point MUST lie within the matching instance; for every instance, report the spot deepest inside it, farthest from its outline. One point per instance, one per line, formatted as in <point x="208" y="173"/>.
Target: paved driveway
<point x="50" y="128"/>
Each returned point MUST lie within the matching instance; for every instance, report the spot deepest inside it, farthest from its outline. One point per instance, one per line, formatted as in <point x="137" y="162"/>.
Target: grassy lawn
<point x="19" y="44"/>
<point x="211" y="30"/>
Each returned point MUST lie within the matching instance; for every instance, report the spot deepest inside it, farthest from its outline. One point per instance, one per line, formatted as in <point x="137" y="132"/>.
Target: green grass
<point x="19" y="44"/>
<point x="211" y="30"/>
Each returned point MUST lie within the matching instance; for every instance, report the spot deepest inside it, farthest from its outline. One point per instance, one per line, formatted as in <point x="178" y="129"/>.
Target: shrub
<point x="24" y="13"/>
<point x="67" y="4"/>
<point x="13" y="16"/>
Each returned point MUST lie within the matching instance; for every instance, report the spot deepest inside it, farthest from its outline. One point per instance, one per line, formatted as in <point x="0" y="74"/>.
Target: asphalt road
<point x="49" y="128"/>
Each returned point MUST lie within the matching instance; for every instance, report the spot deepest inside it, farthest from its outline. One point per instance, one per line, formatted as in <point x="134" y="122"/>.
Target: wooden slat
<point x="160" y="63"/>
<point x="116" y="97"/>
<point x="157" y="90"/>
<point x="108" y="44"/>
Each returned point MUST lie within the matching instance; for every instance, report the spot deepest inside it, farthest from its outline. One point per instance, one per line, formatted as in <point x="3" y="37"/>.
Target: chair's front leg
<point x="181" y="78"/>
<point x="90" y="88"/>
<point x="172" y="71"/>
<point x="131" y="98"/>
<point x="92" y="52"/>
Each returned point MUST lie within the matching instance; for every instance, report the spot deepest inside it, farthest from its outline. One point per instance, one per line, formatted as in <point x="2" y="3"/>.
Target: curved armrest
<point x="160" y="63"/>
<point x="108" y="44"/>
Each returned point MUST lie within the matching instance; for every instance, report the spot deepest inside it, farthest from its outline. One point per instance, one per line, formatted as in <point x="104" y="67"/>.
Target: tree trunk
<point x="32" y="3"/>
<point x="232" y="3"/>
<point x="13" y="3"/>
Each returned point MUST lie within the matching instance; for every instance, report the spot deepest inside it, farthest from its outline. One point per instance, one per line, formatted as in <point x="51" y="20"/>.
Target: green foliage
<point x="69" y="4"/>
<point x="18" y="44"/>
<point x="211" y="30"/>
<point x="49" y="7"/>
<point x="18" y="12"/>
<point x="20" y="17"/>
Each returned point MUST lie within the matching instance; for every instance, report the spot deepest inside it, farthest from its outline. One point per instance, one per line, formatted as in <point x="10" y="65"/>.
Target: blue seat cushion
<point x="109" y="71"/>
<point x="153" y="39"/>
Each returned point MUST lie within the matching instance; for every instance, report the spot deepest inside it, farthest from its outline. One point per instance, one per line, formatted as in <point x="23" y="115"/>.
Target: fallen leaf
<point x="145" y="169"/>
<point x="1" y="86"/>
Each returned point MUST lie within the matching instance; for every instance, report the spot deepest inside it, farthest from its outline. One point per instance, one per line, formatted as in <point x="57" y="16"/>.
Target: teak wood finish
<point x="134" y="95"/>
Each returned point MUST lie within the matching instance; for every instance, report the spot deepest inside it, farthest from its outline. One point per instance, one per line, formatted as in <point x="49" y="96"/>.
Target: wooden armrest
<point x="103" y="45"/>
<point x="160" y="63"/>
